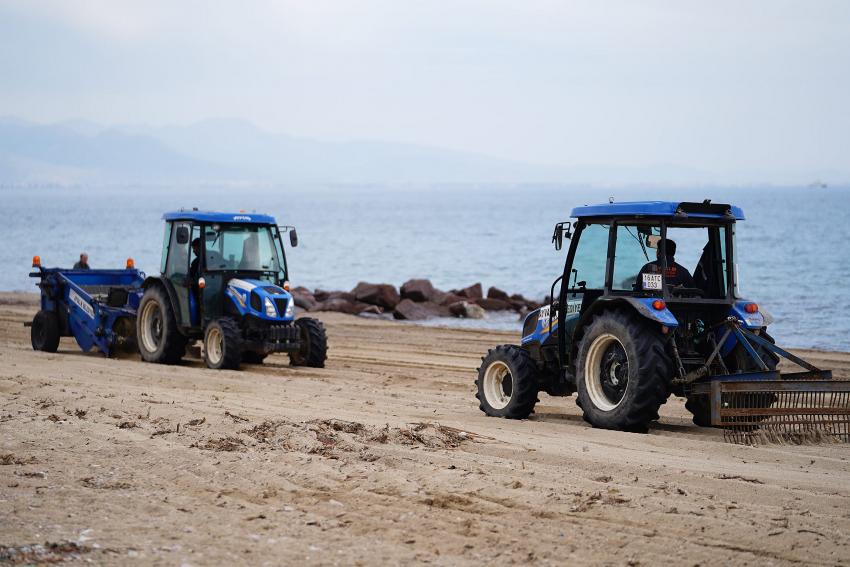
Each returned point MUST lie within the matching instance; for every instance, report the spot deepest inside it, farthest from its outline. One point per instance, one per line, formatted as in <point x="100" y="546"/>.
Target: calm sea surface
<point x="793" y="247"/>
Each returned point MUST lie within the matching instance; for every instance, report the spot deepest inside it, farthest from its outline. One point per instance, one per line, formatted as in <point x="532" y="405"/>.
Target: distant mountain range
<point x="236" y="151"/>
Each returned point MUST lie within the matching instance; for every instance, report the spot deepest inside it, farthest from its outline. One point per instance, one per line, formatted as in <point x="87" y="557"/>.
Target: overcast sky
<point x="743" y="90"/>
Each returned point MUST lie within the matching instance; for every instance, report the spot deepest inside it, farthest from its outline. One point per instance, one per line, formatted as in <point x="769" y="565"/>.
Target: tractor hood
<point x="261" y="299"/>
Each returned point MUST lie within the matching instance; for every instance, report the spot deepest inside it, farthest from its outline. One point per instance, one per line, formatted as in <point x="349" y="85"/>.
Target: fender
<point x="166" y="284"/>
<point x="642" y="306"/>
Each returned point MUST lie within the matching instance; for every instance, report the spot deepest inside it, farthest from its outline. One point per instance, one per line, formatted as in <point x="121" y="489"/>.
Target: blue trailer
<point x="96" y="307"/>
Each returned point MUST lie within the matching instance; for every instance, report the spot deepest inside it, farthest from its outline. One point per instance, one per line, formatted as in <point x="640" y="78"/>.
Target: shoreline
<point x="31" y="298"/>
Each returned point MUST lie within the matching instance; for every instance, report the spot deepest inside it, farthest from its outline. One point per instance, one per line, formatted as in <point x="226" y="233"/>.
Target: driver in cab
<point x="676" y="274"/>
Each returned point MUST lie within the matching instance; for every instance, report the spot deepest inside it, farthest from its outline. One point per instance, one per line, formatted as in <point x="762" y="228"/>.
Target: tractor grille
<point x="791" y="412"/>
<point x="281" y="304"/>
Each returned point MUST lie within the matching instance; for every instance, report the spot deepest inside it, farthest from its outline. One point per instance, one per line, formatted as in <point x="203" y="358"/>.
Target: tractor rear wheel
<point x="157" y="335"/>
<point x="737" y="361"/>
<point x="314" y="344"/>
<point x="223" y="344"/>
<point x="44" y="333"/>
<point x="507" y="383"/>
<point x="622" y="373"/>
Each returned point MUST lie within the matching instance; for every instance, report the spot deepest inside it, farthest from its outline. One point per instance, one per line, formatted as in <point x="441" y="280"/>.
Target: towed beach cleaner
<point x="628" y="327"/>
<point x="224" y="281"/>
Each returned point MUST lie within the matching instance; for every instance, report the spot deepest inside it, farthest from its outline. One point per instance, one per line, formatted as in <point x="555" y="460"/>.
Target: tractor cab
<point x="224" y="279"/>
<point x="210" y="256"/>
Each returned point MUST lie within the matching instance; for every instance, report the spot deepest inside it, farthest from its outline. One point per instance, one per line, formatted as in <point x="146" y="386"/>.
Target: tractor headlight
<point x="290" y="308"/>
<point x="270" y="310"/>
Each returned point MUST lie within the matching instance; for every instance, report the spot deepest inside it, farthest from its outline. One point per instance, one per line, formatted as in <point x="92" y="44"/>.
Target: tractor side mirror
<point x="562" y="229"/>
<point x="293" y="238"/>
<point x="182" y="234"/>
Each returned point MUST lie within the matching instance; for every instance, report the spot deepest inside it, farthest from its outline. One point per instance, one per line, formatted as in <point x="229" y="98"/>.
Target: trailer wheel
<point x="313" y="350"/>
<point x="737" y="361"/>
<point x="156" y="329"/>
<point x="45" y="331"/>
<point x="507" y="383"/>
<point x="622" y="372"/>
<point x="223" y="344"/>
<point x="253" y="357"/>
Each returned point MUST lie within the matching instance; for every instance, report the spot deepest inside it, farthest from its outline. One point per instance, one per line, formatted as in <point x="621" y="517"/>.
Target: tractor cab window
<point x="633" y="252"/>
<point x="588" y="270"/>
<point x="242" y="248"/>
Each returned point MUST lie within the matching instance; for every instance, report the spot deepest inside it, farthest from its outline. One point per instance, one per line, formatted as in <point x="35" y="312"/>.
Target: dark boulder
<point x="384" y="295"/>
<point x="418" y="290"/>
<point x="496" y="293"/>
<point x="448" y="298"/>
<point x="467" y="310"/>
<point x="303" y="298"/>
<point x="410" y="310"/>
<point x="341" y="305"/>
<point x="472" y="292"/>
<point x="495" y="304"/>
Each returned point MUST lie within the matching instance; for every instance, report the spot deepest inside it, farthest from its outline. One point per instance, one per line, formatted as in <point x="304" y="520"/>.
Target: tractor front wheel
<point x="157" y="335"/>
<point x="44" y="333"/>
<point x="507" y="383"/>
<point x="223" y="344"/>
<point x="622" y="372"/>
<point x="313" y="350"/>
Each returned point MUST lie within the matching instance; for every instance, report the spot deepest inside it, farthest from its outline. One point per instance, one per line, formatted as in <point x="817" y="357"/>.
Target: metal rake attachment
<point x="777" y="411"/>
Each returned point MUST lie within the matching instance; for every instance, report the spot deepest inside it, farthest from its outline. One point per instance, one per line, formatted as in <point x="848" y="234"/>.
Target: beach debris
<point x="235" y="417"/>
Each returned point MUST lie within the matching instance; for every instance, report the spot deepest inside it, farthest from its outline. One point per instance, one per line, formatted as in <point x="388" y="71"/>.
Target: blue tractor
<point x="648" y="306"/>
<point x="224" y="280"/>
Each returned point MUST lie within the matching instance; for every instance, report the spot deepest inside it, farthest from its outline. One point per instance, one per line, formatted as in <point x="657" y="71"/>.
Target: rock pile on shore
<point x="416" y="300"/>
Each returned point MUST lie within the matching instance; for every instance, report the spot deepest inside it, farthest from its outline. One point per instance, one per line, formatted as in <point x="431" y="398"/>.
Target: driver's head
<point x="196" y="246"/>
<point x="669" y="248"/>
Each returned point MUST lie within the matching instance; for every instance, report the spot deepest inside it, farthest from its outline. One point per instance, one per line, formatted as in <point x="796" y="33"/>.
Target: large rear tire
<point x="223" y="344"/>
<point x="622" y="372"/>
<point x="737" y="361"/>
<point x="157" y="335"/>
<point x="314" y="344"/>
<point x="44" y="333"/>
<point x="507" y="383"/>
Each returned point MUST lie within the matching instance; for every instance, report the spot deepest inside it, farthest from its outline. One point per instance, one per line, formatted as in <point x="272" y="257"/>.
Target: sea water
<point x="792" y="249"/>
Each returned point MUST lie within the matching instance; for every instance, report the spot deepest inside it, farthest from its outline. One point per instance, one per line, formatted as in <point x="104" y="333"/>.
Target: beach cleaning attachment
<point x="770" y="406"/>
<point x="96" y="307"/>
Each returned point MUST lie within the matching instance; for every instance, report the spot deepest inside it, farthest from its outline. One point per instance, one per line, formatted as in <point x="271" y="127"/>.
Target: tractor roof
<point x="673" y="209"/>
<point x="210" y="216"/>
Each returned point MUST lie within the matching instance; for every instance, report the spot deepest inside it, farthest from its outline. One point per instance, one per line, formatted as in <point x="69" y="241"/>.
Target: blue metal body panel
<point x="214" y="217"/>
<point x="71" y="294"/>
<point x="644" y="209"/>
<point x="643" y="305"/>
<point x="240" y="294"/>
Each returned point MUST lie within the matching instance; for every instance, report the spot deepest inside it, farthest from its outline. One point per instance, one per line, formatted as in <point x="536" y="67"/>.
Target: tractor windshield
<point x="696" y="260"/>
<point x="243" y="248"/>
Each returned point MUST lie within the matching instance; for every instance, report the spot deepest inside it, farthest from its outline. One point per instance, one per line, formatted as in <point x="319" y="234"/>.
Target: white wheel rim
<point x="148" y="322"/>
<point x="593" y="372"/>
<point x="494" y="384"/>
<point x="213" y="345"/>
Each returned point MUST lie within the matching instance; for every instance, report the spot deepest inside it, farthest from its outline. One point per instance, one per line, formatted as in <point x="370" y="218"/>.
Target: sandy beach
<point x="381" y="457"/>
